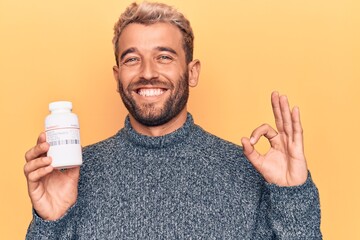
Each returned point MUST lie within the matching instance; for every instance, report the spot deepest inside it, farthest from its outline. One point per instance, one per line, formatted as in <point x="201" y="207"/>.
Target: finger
<point x="41" y="138"/>
<point x="35" y="170"/>
<point x="35" y="176"/>
<point x="275" y="103"/>
<point x="39" y="150"/>
<point x="297" y="128"/>
<point x="286" y="116"/>
<point x="249" y="150"/>
<point x="264" y="130"/>
<point x="36" y="164"/>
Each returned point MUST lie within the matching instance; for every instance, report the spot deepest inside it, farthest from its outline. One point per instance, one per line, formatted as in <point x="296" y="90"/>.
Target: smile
<point x="150" y="92"/>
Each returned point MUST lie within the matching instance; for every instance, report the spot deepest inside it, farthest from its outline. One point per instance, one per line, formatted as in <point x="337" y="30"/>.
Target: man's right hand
<point x="52" y="192"/>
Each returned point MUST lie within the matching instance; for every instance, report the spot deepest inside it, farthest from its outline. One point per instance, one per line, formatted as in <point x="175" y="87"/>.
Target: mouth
<point x="150" y="92"/>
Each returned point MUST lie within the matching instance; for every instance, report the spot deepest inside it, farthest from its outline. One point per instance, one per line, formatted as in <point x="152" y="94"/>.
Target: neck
<point x="156" y="131"/>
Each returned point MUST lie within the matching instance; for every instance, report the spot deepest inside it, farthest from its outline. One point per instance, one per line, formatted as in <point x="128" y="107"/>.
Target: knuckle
<point x="28" y="154"/>
<point x="26" y="169"/>
<point x="32" y="177"/>
<point x="32" y="165"/>
<point x="38" y="148"/>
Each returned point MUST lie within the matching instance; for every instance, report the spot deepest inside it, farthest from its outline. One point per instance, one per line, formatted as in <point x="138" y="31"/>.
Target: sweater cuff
<point x="40" y="228"/>
<point x="295" y="211"/>
<point x="292" y="190"/>
<point x="294" y="196"/>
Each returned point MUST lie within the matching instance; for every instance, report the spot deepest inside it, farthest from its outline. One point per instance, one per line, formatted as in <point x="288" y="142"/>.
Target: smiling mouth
<point x="150" y="92"/>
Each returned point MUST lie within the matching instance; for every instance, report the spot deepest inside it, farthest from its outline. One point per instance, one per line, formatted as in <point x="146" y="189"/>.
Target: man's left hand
<point x="284" y="164"/>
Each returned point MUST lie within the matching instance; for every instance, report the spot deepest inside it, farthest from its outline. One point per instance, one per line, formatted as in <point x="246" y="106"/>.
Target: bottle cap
<point x="60" y="105"/>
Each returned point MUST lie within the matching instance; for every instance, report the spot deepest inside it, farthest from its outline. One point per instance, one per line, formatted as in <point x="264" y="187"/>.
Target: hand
<point x="52" y="192"/>
<point x="284" y="164"/>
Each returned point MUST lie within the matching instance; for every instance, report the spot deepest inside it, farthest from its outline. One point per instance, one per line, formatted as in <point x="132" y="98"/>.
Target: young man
<point x="162" y="176"/>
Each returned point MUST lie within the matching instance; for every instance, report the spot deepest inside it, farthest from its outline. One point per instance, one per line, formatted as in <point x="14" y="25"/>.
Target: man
<point x="162" y="176"/>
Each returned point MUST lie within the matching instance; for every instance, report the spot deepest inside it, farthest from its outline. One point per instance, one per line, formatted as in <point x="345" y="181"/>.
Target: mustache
<point x="152" y="82"/>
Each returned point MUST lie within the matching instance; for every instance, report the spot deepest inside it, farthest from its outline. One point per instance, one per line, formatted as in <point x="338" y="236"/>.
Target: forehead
<point x="148" y="37"/>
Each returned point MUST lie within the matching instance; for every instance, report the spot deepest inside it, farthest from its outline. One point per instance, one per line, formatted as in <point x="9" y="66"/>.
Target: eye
<point x="130" y="61"/>
<point x="165" y="59"/>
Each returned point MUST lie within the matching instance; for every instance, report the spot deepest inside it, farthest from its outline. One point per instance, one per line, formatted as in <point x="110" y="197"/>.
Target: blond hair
<point x="149" y="13"/>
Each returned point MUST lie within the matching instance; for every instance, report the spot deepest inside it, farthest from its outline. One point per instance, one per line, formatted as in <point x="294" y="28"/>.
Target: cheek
<point x="126" y="77"/>
<point x="172" y="74"/>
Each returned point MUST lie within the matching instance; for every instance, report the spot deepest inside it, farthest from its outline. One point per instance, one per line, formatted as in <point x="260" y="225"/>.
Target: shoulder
<point x="218" y="148"/>
<point x="225" y="157"/>
<point x="98" y="158"/>
<point x="102" y="149"/>
<point x="211" y="142"/>
<point x="101" y="146"/>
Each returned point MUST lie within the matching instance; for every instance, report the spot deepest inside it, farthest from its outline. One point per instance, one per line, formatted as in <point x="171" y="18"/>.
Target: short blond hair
<point x="149" y="13"/>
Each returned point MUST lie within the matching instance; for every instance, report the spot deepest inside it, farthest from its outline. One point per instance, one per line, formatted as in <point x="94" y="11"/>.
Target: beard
<point x="148" y="114"/>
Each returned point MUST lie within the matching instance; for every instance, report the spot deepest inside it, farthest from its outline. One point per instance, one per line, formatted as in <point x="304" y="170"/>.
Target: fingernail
<point x="252" y="140"/>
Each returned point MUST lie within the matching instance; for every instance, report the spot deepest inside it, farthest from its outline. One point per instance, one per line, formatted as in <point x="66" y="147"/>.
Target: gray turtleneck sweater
<point x="185" y="185"/>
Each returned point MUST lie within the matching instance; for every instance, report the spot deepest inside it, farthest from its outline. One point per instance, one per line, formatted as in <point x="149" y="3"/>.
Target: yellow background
<point x="308" y="49"/>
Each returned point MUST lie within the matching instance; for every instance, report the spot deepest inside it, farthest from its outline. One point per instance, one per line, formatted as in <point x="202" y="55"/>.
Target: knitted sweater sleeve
<point x="294" y="212"/>
<point x="63" y="228"/>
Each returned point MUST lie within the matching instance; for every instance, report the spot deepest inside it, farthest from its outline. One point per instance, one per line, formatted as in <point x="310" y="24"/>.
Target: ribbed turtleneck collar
<point x="175" y="137"/>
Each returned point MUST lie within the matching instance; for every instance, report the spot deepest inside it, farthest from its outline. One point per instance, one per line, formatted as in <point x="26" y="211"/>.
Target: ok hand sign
<point x="284" y="164"/>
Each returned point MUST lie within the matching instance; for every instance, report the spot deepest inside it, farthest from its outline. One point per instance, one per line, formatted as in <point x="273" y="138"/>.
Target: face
<point x="153" y="77"/>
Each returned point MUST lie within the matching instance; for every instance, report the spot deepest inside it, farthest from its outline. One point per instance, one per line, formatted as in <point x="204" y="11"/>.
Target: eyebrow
<point x="132" y="50"/>
<point x="127" y="51"/>
<point x="166" y="49"/>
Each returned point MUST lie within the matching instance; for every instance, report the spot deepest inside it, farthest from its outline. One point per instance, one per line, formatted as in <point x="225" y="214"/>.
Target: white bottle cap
<point x="60" y="105"/>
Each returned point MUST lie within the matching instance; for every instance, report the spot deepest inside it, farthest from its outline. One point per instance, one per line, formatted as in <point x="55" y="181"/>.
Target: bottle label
<point x="63" y="136"/>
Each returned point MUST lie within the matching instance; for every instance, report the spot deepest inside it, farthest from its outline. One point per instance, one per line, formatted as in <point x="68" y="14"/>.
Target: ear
<point x="116" y="74"/>
<point x="194" y="71"/>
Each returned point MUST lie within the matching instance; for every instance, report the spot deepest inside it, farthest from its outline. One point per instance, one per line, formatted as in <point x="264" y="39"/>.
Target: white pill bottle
<point x="63" y="134"/>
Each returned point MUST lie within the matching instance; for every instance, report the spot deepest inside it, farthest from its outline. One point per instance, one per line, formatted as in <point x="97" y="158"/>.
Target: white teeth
<point x="150" y="92"/>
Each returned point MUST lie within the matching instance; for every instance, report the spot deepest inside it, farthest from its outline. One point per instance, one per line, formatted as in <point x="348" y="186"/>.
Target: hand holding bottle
<point x="52" y="192"/>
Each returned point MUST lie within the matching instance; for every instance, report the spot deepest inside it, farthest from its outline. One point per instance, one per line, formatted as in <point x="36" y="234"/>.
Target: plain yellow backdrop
<point x="308" y="49"/>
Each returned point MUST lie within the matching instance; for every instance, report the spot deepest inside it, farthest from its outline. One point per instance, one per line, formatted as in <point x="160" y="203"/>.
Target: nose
<point x="149" y="70"/>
